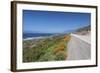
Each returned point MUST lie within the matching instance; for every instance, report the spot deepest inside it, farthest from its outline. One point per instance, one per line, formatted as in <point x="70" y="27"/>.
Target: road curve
<point x="78" y="49"/>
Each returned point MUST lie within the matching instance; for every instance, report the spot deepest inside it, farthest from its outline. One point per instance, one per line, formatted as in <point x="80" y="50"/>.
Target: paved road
<point x="79" y="48"/>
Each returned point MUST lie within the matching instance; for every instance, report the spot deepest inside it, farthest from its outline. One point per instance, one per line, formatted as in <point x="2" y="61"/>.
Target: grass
<point x="48" y="49"/>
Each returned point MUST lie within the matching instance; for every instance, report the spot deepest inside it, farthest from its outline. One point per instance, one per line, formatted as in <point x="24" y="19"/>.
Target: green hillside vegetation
<point x="46" y="49"/>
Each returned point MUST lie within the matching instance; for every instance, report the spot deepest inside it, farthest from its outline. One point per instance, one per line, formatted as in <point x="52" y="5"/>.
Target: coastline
<point x="40" y="37"/>
<point x="32" y="38"/>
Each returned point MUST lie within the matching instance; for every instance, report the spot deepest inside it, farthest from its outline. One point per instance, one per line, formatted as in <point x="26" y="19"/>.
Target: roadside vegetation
<point x="46" y="49"/>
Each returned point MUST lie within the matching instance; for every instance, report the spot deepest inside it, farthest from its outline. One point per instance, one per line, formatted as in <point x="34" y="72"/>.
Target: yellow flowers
<point x="60" y="47"/>
<point x="67" y="38"/>
<point x="46" y="49"/>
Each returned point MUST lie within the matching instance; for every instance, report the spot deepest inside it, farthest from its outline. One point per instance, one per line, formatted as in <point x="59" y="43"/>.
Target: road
<point x="79" y="48"/>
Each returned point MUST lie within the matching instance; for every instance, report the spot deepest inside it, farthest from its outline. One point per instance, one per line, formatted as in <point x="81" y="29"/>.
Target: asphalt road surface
<point x="79" y="48"/>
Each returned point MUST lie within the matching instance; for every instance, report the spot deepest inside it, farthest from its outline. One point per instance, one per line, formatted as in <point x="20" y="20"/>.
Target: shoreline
<point x="41" y="37"/>
<point x="32" y="38"/>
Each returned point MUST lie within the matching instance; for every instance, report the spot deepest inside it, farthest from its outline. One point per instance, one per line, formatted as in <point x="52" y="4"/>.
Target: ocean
<point x="30" y="35"/>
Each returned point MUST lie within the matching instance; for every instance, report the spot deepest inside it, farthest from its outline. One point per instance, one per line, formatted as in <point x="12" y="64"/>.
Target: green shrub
<point x="61" y="55"/>
<point x="48" y="49"/>
<point x="47" y="57"/>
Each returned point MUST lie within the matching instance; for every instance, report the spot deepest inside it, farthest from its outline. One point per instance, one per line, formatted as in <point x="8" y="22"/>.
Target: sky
<point x="53" y="22"/>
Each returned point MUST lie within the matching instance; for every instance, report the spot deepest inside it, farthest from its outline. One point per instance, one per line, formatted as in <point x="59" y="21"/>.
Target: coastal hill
<point x="83" y="30"/>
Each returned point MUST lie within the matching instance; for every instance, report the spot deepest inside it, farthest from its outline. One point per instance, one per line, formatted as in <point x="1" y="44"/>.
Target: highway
<point x="79" y="47"/>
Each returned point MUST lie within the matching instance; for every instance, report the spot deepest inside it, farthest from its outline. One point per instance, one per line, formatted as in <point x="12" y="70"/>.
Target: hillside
<point x="83" y="30"/>
<point x="46" y="49"/>
<point x="86" y="28"/>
